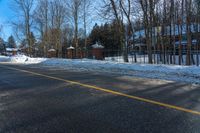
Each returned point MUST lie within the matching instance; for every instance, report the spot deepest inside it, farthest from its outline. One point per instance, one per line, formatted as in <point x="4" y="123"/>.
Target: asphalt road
<point x="42" y="100"/>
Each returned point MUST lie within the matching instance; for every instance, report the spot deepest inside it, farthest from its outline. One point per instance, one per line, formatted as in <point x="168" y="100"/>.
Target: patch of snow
<point x="11" y="49"/>
<point x="51" y="50"/>
<point x="21" y="59"/>
<point x="184" y="42"/>
<point x="97" y="46"/>
<point x="70" y="47"/>
<point x="4" y="59"/>
<point x="144" y="59"/>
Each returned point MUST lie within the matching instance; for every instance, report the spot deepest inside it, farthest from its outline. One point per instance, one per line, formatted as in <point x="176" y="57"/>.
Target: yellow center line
<point x="113" y="92"/>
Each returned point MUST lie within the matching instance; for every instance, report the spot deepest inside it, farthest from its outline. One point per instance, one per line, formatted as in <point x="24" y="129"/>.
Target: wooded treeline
<point x="165" y="24"/>
<point x="51" y="24"/>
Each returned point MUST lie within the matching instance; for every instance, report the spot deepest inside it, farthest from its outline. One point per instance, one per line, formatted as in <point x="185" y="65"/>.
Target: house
<point x="51" y="53"/>
<point x="97" y="51"/>
<point x="170" y="37"/>
<point x="11" y="51"/>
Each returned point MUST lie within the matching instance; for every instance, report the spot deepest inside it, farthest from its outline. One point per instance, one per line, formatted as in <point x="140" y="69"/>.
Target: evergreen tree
<point x="11" y="42"/>
<point x="33" y="46"/>
<point x="23" y="44"/>
<point x="2" y="46"/>
<point x="32" y="39"/>
<point x="107" y="35"/>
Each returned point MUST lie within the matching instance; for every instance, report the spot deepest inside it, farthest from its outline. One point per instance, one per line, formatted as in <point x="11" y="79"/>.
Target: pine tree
<point x="2" y="46"/>
<point x="11" y="42"/>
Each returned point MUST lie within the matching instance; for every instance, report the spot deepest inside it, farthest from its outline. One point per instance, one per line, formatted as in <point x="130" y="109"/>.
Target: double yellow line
<point x="112" y="92"/>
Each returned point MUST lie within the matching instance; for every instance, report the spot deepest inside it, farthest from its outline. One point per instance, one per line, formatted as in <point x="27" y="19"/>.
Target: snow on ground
<point x="4" y="59"/>
<point x="21" y="59"/>
<point x="156" y="59"/>
<point x="189" y="74"/>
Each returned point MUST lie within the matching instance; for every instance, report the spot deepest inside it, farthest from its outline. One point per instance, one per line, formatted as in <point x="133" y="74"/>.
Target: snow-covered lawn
<point x="156" y="59"/>
<point x="189" y="74"/>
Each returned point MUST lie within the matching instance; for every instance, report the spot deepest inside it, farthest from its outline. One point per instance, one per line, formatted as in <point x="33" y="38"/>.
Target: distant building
<point x="173" y="37"/>
<point x="11" y="51"/>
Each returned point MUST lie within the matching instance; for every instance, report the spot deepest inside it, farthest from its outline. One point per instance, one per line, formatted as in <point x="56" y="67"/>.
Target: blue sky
<point x="6" y="15"/>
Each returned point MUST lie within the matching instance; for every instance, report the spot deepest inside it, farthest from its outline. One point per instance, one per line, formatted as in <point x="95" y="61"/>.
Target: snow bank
<point x="94" y="64"/>
<point x="144" y="59"/>
<point x="26" y="60"/>
<point x="21" y="59"/>
<point x="4" y="59"/>
<point x="190" y="74"/>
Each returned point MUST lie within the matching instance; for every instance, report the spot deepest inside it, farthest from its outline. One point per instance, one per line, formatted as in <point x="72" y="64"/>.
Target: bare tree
<point x="112" y="9"/>
<point x="50" y="17"/>
<point x="74" y="7"/>
<point x="129" y="10"/>
<point x="86" y="6"/>
<point x="146" y="6"/>
<point x="42" y="23"/>
<point x="25" y="10"/>
<point x="2" y="44"/>
<point x="1" y="30"/>
<point x="188" y="7"/>
<point x="57" y="17"/>
<point x="197" y="28"/>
